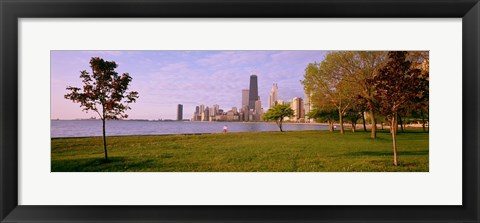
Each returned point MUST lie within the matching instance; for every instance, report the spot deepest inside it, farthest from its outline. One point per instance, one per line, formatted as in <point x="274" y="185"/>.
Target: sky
<point x="165" y="79"/>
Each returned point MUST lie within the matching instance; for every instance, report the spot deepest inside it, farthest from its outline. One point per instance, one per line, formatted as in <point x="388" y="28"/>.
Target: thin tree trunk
<point x="396" y="125"/>
<point x="354" y="125"/>
<point x="280" y="125"/>
<point x="104" y="139"/>
<point x="401" y="122"/>
<point x="394" y="139"/>
<point x="341" y="122"/>
<point x="423" y="121"/>
<point x="363" y="118"/>
<point x="373" y="135"/>
<point x="330" y="125"/>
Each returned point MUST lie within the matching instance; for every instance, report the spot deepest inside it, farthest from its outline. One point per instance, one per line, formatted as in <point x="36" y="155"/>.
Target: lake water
<point x="83" y="128"/>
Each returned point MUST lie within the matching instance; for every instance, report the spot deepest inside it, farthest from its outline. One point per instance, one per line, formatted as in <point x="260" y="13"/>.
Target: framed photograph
<point x="239" y="111"/>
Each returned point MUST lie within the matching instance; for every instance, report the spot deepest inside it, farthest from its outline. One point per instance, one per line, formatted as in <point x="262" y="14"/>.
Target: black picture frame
<point x="11" y="11"/>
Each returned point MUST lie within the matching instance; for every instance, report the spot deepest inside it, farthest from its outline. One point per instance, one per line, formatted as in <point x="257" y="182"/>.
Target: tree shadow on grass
<point x="400" y="153"/>
<point x="113" y="164"/>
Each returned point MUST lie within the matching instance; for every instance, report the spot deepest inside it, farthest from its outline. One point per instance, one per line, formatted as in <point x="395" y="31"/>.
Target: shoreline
<point x="346" y="125"/>
<point x="212" y="133"/>
<point x="177" y="134"/>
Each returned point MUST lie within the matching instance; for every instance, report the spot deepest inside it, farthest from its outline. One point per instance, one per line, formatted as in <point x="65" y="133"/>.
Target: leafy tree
<point x="346" y="73"/>
<point x="360" y="66"/>
<point x="421" y="60"/>
<point x="277" y="113"/>
<point x="325" y="114"/>
<point x="353" y="116"/>
<point x="360" y="106"/>
<point x="104" y="92"/>
<point x="326" y="80"/>
<point x="398" y="85"/>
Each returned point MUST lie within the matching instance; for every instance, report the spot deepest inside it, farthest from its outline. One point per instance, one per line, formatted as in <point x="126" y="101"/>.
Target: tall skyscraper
<point x="179" y="112"/>
<point x="273" y="97"/>
<point x="253" y="94"/>
<point x="245" y="93"/>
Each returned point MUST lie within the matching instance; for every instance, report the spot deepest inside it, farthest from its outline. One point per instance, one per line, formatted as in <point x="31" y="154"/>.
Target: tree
<point x="277" y="113"/>
<point x="103" y="92"/>
<point x="398" y="86"/>
<point x="353" y="116"/>
<point x="325" y="80"/>
<point x="324" y="114"/>
<point x="360" y="106"/>
<point x="360" y="66"/>
<point x="421" y="60"/>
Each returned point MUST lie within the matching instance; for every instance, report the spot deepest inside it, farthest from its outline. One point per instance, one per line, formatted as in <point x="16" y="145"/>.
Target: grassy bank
<point x="302" y="151"/>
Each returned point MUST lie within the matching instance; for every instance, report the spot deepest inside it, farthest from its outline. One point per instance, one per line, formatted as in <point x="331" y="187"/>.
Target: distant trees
<point x="353" y="116"/>
<point x="325" y="114"/>
<point x="104" y="92"/>
<point x="277" y="113"/>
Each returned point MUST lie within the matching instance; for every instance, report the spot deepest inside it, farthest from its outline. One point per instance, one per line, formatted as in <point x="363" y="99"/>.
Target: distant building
<point x="298" y="110"/>
<point x="245" y="93"/>
<point x="258" y="111"/>
<point x="202" y="113"/>
<point x="206" y="115"/>
<point x="273" y="97"/>
<point x="253" y="92"/>
<point x="211" y="114"/>
<point x="216" y="108"/>
<point x="245" y="112"/>
<point x="196" y="114"/>
<point x="202" y="108"/>
<point x="179" y="112"/>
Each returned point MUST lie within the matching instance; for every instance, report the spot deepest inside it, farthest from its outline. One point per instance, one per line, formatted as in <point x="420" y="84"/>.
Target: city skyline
<point x="165" y="79"/>
<point x="251" y="108"/>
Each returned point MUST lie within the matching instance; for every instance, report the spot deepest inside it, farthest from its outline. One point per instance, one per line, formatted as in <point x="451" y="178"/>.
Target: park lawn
<point x="295" y="151"/>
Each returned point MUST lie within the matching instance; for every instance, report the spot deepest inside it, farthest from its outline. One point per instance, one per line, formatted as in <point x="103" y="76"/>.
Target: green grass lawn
<point x="299" y="151"/>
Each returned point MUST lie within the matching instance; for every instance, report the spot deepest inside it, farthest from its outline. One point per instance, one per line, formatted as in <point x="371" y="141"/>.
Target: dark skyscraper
<point x="253" y="95"/>
<point x="179" y="112"/>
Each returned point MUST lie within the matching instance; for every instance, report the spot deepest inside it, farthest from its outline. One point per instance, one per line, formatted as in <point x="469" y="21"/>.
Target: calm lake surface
<point x="83" y="128"/>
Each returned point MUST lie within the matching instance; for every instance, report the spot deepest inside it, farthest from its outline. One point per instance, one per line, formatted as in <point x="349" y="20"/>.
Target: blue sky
<point x="167" y="78"/>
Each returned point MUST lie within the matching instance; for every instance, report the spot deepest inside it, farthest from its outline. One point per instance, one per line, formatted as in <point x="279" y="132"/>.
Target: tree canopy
<point x="324" y="114"/>
<point x="277" y="113"/>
